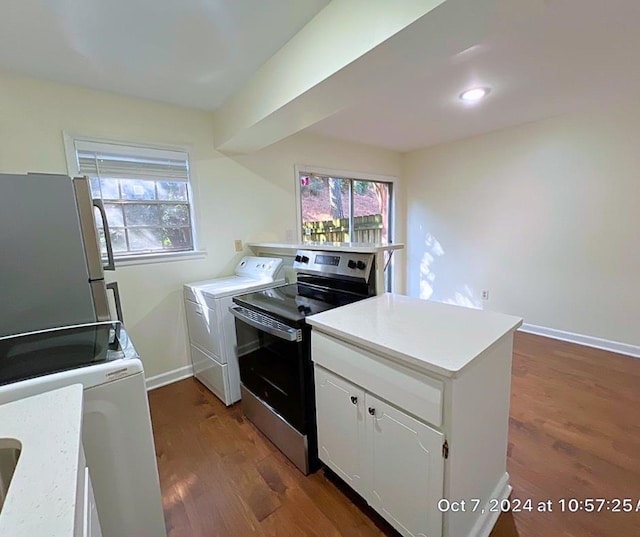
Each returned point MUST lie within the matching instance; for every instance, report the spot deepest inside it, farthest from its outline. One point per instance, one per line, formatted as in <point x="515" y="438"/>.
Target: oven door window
<point x="274" y="370"/>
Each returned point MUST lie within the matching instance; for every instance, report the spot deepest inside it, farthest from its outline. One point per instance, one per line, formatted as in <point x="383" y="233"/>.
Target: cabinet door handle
<point x="372" y="411"/>
<point x="354" y="399"/>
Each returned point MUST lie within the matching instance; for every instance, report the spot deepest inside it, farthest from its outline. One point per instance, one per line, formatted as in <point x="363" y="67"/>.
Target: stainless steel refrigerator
<point x="52" y="271"/>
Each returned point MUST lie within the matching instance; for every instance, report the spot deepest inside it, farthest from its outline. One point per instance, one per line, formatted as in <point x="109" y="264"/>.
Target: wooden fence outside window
<point x="365" y="229"/>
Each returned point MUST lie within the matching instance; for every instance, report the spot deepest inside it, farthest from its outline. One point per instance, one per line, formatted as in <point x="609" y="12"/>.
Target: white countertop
<point x="356" y="247"/>
<point x="42" y="495"/>
<point x="431" y="336"/>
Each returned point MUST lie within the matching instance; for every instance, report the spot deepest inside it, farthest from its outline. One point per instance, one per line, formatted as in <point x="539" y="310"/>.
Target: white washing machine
<point x="116" y="428"/>
<point x="212" y="332"/>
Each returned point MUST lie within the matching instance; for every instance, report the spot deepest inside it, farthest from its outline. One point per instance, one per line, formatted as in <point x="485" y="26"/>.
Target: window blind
<point x="118" y="161"/>
<point x="97" y="164"/>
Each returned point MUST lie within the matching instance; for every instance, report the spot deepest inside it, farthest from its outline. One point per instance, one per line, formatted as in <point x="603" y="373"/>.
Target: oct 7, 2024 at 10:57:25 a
<point x="564" y="505"/>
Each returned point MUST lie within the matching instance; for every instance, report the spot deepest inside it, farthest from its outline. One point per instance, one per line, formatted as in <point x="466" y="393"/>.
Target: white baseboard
<point x="186" y="371"/>
<point x="589" y="341"/>
<point x="169" y="377"/>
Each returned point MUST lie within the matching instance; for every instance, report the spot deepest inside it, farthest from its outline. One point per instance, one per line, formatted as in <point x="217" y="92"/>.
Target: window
<point x="334" y="207"/>
<point x="146" y="196"/>
<point x="341" y="209"/>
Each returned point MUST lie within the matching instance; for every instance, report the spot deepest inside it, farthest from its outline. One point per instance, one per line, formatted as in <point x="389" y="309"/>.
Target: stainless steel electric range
<point x="274" y="346"/>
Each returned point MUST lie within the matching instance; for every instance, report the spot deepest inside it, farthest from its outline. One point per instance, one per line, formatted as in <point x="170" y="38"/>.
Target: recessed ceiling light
<point x="474" y="94"/>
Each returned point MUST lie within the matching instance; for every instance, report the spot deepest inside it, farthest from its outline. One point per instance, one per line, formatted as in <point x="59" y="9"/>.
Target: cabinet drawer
<point x="409" y="390"/>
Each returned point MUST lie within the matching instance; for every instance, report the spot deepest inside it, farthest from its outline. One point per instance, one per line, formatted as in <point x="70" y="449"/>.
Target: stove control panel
<point x="325" y="263"/>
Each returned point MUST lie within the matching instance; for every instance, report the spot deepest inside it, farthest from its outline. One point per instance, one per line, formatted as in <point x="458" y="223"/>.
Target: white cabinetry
<point x="87" y="522"/>
<point x="391" y="459"/>
<point x="92" y="523"/>
<point x="412" y="403"/>
<point x="341" y="428"/>
<point x="405" y="485"/>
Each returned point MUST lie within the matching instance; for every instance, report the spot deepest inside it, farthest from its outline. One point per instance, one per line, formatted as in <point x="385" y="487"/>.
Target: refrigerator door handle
<point x="89" y="231"/>
<point x="111" y="264"/>
<point x="113" y="286"/>
<point x="100" y="300"/>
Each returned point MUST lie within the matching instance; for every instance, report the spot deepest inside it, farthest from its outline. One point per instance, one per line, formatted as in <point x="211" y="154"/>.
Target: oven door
<point x="274" y="360"/>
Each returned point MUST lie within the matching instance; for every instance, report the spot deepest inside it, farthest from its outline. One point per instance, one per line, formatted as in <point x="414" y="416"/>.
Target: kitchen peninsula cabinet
<point x="358" y="438"/>
<point x="412" y="403"/>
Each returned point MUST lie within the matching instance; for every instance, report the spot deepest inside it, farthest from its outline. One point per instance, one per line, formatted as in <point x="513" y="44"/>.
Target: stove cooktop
<point x="284" y="301"/>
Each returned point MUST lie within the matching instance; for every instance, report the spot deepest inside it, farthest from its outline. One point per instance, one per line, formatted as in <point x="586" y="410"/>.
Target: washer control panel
<point x="259" y="267"/>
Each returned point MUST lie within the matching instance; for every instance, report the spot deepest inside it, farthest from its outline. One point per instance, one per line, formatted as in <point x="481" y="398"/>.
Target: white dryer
<point x="212" y="333"/>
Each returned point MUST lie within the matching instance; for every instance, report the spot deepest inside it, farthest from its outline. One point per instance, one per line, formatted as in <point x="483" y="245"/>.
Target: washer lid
<point x="224" y="286"/>
<point x="221" y="287"/>
<point x="25" y="356"/>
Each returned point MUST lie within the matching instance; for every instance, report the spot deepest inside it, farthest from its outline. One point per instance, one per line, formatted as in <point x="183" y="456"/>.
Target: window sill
<point x="164" y="257"/>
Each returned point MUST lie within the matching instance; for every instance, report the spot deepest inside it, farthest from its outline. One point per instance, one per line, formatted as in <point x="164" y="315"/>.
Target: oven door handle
<point x="270" y="326"/>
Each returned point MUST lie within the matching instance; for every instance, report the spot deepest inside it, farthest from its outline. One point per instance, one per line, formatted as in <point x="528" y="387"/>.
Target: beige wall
<point x="33" y="115"/>
<point x="542" y="215"/>
<point x="545" y="216"/>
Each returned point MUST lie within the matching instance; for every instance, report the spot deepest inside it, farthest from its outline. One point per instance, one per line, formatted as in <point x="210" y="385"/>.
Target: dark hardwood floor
<point x="574" y="433"/>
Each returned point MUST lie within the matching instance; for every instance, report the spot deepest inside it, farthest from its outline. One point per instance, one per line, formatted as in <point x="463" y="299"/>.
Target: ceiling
<point x="199" y="53"/>
<point x="188" y="52"/>
<point x="576" y="53"/>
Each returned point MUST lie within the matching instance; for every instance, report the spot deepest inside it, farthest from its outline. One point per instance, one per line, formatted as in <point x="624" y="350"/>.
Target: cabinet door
<point x="340" y="413"/>
<point x="406" y="469"/>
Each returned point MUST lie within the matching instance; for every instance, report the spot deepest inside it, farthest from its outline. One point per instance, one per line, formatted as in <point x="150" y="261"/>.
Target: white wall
<point x="33" y="115"/>
<point x="545" y="216"/>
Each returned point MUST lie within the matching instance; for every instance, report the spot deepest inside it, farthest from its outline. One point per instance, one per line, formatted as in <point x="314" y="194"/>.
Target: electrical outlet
<point x="485" y="294"/>
<point x="238" y="245"/>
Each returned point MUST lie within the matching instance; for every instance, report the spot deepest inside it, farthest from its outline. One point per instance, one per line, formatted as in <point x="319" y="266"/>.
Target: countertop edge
<point x="509" y="325"/>
<point x="400" y="357"/>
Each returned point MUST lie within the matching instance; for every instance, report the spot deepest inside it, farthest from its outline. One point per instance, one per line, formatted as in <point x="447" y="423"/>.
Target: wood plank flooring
<point x="574" y="433"/>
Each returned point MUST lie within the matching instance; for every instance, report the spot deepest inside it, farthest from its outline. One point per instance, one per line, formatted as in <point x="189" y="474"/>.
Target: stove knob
<point x="298" y="258"/>
<point x="305" y="259"/>
<point x="307" y="310"/>
<point x="300" y="308"/>
<point x="351" y="264"/>
<point x="361" y="265"/>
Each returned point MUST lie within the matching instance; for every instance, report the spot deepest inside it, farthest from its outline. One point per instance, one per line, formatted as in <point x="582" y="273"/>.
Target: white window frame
<point x="358" y="176"/>
<point x="71" y="142"/>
